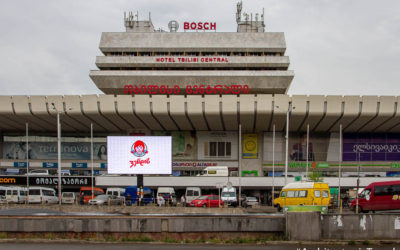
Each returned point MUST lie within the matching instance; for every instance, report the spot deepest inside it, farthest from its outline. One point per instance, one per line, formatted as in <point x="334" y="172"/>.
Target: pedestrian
<point x="183" y="200"/>
<point x="160" y="200"/>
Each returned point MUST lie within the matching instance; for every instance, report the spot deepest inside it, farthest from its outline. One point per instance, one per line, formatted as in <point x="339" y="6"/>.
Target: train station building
<point x="206" y="89"/>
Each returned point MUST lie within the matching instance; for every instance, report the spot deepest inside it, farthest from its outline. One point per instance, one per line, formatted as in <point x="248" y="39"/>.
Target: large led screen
<point x="139" y="155"/>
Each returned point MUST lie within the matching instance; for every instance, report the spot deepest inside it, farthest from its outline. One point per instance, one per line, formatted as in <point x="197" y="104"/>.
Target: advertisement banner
<point x="217" y="145"/>
<point x="48" y="150"/>
<point x="371" y="147"/>
<point x="317" y="147"/>
<point x="184" y="144"/>
<point x="250" y="146"/>
<point x="139" y="154"/>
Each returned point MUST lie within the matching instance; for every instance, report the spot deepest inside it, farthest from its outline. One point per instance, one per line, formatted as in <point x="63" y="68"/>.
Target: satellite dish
<point x="173" y="26"/>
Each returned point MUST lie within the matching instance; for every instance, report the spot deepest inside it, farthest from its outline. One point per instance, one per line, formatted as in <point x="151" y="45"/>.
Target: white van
<point x="228" y="196"/>
<point x="42" y="195"/>
<point x="191" y="194"/>
<point x="3" y="198"/>
<point x="16" y="194"/>
<point x="214" y="171"/>
<point x="168" y="193"/>
<point x="119" y="192"/>
<point x="35" y="172"/>
<point x="68" y="198"/>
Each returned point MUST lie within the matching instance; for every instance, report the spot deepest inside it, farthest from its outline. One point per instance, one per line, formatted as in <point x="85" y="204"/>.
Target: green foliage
<point x="315" y="176"/>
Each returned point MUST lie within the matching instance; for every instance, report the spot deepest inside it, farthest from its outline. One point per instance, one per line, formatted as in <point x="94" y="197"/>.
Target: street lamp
<point x="59" y="149"/>
<point x="290" y="108"/>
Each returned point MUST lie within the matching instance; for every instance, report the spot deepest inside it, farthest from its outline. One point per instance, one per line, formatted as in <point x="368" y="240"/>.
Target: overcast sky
<point x="338" y="47"/>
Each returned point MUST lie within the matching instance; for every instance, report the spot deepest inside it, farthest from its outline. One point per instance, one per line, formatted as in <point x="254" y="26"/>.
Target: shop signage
<point x="310" y="164"/>
<point x="199" y="25"/>
<point x="79" y="165"/>
<point x="49" y="164"/>
<point x="395" y="165"/>
<point x="20" y="164"/>
<point x="46" y="181"/>
<point x="194" y="164"/>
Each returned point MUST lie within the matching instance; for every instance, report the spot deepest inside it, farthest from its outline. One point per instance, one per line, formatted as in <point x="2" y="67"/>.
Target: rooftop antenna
<point x="239" y="11"/>
<point x="149" y="16"/>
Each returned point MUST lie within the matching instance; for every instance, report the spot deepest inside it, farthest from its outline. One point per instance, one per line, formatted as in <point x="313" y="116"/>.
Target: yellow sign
<point x="250" y="146"/>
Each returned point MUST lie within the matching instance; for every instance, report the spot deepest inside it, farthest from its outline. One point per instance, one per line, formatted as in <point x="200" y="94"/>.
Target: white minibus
<point x="42" y="195"/>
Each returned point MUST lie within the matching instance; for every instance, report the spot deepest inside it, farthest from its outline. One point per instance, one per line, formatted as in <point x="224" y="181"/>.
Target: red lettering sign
<point x="199" y="26"/>
<point x="189" y="90"/>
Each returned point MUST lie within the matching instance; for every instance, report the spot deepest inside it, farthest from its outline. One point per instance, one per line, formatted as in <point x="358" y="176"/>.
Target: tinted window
<point x="283" y="194"/>
<point x="34" y="192"/>
<point x="189" y="193"/>
<point x="8" y="192"/>
<point x="325" y="194"/>
<point x="3" y="192"/>
<point x="15" y="192"/>
<point x="196" y="193"/>
<point x="383" y="190"/>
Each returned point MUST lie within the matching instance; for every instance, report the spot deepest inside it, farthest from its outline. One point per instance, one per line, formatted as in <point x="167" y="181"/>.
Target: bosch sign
<point x="199" y="26"/>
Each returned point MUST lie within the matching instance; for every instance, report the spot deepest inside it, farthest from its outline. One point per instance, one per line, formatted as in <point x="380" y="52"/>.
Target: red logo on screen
<point x="139" y="149"/>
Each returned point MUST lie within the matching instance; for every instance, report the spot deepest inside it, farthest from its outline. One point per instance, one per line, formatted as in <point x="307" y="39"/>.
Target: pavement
<point x="156" y="246"/>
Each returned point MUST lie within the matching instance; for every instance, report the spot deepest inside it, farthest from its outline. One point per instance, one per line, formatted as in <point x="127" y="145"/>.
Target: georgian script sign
<point x="46" y="180"/>
<point x="188" y="90"/>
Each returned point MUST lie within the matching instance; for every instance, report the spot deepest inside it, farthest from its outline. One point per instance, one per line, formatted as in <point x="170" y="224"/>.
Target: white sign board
<point x="139" y="154"/>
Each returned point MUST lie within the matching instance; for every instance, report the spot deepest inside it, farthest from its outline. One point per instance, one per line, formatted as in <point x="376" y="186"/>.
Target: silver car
<point x="68" y="198"/>
<point x="104" y="199"/>
<point x="250" y="202"/>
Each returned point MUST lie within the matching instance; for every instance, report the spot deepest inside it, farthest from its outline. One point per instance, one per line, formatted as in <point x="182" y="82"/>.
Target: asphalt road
<point x="136" y="246"/>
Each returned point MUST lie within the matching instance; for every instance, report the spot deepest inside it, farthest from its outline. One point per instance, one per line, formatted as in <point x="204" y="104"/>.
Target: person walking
<point x="183" y="200"/>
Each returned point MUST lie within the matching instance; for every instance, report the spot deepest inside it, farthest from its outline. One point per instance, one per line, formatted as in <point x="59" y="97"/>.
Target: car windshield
<point x="68" y="195"/>
<point x="202" y="197"/>
<point x="252" y="198"/>
<point x="228" y="194"/>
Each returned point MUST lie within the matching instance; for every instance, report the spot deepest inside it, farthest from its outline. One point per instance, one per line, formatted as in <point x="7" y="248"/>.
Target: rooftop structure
<point x="145" y="56"/>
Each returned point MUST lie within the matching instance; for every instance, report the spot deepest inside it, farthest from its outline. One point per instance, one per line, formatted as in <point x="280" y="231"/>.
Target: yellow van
<point x="303" y="193"/>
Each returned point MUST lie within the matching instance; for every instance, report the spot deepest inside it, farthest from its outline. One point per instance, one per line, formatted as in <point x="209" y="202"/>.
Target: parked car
<point x="16" y="194"/>
<point x="3" y="198"/>
<point x="40" y="172"/>
<point x="228" y="195"/>
<point x="250" y="201"/>
<point x="105" y="199"/>
<point x="42" y="195"/>
<point x="383" y="195"/>
<point x="120" y="192"/>
<point x="207" y="201"/>
<point x="192" y="193"/>
<point x="85" y="194"/>
<point x="131" y="195"/>
<point x="68" y="198"/>
<point x="308" y="193"/>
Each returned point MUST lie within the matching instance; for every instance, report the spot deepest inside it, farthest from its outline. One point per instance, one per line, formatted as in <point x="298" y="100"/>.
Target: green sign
<point x="395" y="165"/>
<point x="322" y="209"/>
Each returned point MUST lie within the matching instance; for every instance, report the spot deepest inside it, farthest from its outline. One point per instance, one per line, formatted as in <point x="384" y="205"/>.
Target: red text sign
<point x="189" y="90"/>
<point x="199" y="26"/>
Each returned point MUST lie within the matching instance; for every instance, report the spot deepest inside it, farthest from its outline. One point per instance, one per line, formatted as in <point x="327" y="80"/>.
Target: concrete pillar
<point x="303" y="226"/>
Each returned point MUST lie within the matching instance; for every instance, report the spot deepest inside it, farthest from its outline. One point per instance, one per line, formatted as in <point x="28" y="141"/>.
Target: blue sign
<point x="96" y="172"/>
<point x="20" y="164"/>
<point x="276" y="173"/>
<point x="50" y="164"/>
<point x="103" y="165"/>
<point x="79" y="165"/>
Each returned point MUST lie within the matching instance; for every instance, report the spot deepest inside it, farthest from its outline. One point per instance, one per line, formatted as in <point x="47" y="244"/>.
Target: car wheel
<point x="204" y="205"/>
<point x="360" y="210"/>
<point x="279" y="207"/>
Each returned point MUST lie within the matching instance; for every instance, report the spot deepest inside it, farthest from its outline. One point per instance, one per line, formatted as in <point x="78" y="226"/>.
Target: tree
<point x="315" y="176"/>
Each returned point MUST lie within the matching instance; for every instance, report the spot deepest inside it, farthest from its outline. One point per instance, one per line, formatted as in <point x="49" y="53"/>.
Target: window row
<point x="150" y="53"/>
